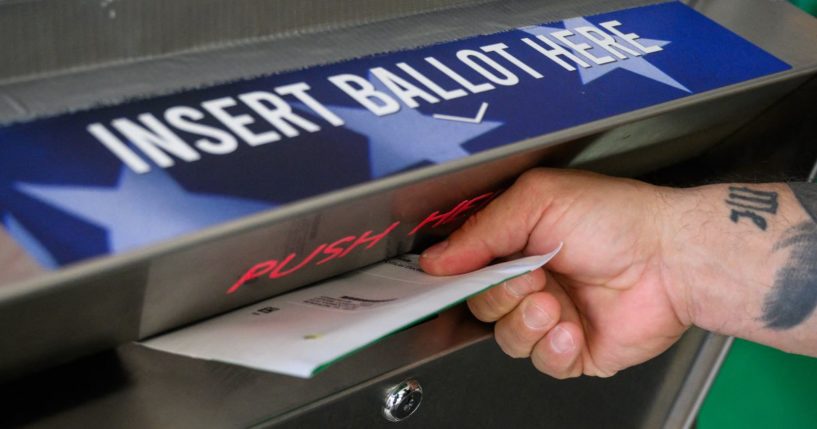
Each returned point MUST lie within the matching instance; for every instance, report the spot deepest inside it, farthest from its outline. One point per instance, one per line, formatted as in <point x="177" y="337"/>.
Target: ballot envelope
<point x="179" y="180"/>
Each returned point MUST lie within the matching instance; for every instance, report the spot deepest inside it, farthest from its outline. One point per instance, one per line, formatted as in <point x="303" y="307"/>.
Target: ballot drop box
<point x="166" y="163"/>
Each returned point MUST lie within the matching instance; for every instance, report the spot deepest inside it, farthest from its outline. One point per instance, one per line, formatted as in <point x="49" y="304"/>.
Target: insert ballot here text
<point x="214" y="127"/>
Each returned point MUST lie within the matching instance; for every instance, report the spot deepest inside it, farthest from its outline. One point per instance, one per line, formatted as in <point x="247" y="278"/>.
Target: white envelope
<point x="302" y="332"/>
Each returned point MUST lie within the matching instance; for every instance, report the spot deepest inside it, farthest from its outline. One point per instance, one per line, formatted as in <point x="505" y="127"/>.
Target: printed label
<point x="110" y="179"/>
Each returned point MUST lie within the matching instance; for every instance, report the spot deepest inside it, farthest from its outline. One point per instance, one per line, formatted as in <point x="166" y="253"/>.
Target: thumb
<point x="500" y="229"/>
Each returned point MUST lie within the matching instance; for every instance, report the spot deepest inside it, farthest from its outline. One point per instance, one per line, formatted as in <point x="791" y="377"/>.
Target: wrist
<point x="677" y="240"/>
<point x="718" y="268"/>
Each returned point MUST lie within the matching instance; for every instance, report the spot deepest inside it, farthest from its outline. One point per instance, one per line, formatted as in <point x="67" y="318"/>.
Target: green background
<point x="809" y="6"/>
<point x="760" y="387"/>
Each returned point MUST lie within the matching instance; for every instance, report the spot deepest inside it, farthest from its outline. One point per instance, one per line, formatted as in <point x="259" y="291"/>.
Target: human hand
<point x="604" y="303"/>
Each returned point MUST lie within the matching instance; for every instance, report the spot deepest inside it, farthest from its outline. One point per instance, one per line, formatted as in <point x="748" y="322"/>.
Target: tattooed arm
<point x="640" y="264"/>
<point x="754" y="275"/>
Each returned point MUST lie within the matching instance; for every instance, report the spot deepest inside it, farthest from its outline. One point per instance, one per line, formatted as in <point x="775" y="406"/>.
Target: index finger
<point x="500" y="229"/>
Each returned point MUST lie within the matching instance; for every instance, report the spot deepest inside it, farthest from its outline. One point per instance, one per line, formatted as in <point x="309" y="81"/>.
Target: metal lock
<point x="402" y="400"/>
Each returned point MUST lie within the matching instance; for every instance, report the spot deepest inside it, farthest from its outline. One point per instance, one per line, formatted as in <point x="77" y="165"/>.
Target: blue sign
<point x="110" y="179"/>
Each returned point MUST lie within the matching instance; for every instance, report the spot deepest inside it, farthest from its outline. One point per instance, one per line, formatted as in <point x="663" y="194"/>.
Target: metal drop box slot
<point x="67" y="358"/>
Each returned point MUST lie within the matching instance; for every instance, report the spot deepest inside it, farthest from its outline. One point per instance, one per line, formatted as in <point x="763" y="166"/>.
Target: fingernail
<point x="535" y="317"/>
<point x="520" y="286"/>
<point x="436" y="250"/>
<point x="561" y="341"/>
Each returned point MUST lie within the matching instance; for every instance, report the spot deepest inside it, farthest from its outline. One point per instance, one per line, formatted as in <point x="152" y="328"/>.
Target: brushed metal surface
<point x="136" y="387"/>
<point x="53" y="319"/>
<point x="100" y="61"/>
<point x="158" y="281"/>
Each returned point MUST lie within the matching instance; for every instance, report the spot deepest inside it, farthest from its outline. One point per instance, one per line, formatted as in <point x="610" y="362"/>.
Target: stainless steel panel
<point x="677" y="129"/>
<point x="105" y="303"/>
<point x="102" y="61"/>
<point x="467" y="382"/>
<point x="68" y="35"/>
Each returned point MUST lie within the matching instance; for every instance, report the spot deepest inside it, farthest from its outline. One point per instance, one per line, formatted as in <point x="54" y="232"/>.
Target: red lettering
<point x="436" y="217"/>
<point x="333" y="250"/>
<point x="484" y="199"/>
<point x="363" y="239"/>
<point x="278" y="274"/>
<point x="453" y="214"/>
<point x="276" y="269"/>
<point x="472" y="203"/>
<point x="253" y="273"/>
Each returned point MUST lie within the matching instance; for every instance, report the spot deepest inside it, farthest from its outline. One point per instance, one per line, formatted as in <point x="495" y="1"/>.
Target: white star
<point x="406" y="137"/>
<point x="637" y="65"/>
<point x="143" y="209"/>
<point x="24" y="238"/>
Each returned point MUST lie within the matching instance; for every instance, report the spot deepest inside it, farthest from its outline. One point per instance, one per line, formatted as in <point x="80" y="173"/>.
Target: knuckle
<point x="505" y="299"/>
<point x="558" y="367"/>
<point x="515" y="341"/>
<point x="525" y="335"/>
<point x="492" y="307"/>
<point x="480" y="310"/>
<point x="472" y="222"/>
<point x="531" y="178"/>
<point x="520" y="287"/>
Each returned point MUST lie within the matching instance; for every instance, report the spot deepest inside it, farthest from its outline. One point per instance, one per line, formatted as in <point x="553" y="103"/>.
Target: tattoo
<point x="793" y="297"/>
<point x="748" y="202"/>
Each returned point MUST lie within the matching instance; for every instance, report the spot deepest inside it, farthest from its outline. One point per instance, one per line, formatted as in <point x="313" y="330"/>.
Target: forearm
<point x="742" y="260"/>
